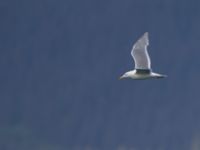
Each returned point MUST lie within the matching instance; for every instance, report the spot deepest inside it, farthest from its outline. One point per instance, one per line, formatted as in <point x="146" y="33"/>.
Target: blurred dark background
<point x="60" y="61"/>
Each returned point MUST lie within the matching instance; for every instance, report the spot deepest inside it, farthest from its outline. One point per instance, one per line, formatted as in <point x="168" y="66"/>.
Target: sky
<point x="60" y="61"/>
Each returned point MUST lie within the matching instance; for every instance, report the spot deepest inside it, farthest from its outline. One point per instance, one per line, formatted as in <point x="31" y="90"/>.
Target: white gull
<point x="142" y="61"/>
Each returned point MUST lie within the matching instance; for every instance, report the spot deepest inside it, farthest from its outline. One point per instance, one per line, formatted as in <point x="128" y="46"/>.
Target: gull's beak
<point x="121" y="77"/>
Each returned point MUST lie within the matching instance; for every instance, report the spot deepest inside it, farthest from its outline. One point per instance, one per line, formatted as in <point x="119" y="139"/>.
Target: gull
<point x="142" y="61"/>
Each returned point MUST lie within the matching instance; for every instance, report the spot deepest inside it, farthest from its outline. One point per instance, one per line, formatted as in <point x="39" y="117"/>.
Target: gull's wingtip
<point x="163" y="76"/>
<point x="146" y="34"/>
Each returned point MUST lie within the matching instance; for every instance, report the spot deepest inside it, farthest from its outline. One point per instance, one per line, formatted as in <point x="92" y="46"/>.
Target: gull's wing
<point x="140" y="54"/>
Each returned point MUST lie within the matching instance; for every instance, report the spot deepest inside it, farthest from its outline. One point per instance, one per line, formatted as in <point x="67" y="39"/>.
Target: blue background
<point x="60" y="61"/>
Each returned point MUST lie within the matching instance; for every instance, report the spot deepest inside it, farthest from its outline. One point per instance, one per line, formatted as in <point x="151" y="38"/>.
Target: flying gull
<point x="142" y="61"/>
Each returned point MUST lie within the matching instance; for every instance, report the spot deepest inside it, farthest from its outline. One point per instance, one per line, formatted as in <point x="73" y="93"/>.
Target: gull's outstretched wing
<point x="140" y="54"/>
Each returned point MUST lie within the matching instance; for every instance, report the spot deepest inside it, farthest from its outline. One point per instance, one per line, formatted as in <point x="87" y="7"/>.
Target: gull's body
<point x="142" y="61"/>
<point x="134" y="74"/>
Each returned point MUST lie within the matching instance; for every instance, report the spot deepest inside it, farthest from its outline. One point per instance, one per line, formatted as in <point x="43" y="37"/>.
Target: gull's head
<point x="124" y="76"/>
